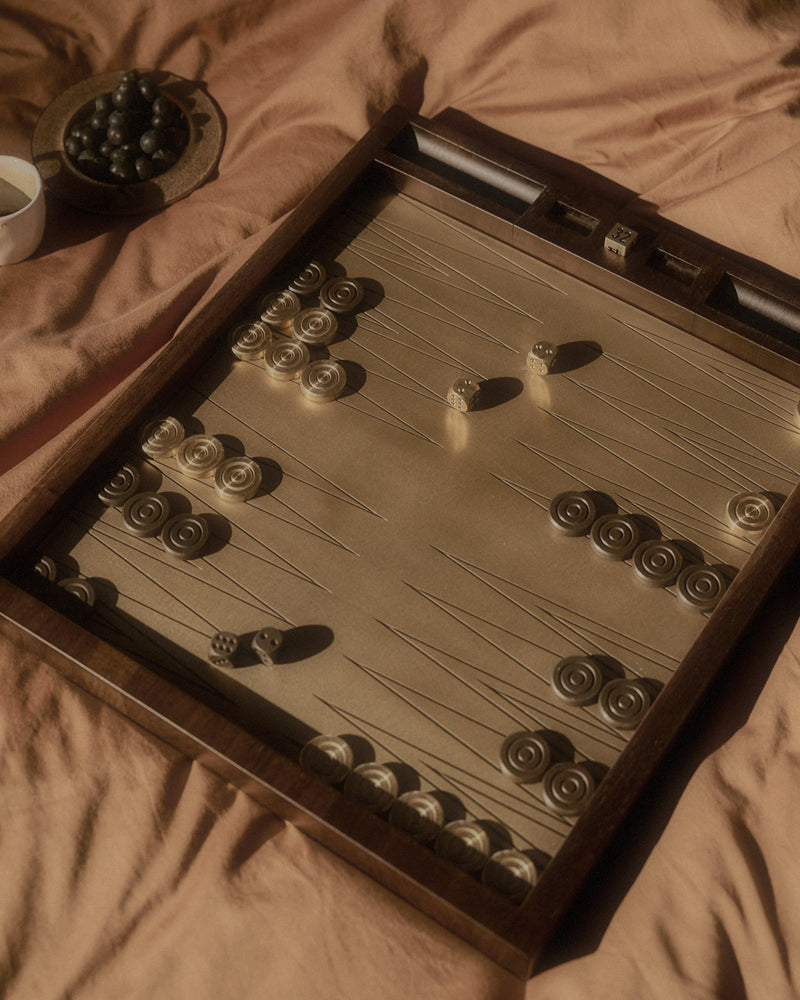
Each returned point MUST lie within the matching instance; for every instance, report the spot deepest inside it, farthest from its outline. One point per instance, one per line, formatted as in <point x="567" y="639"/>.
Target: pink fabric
<point x="127" y="870"/>
<point x="716" y="909"/>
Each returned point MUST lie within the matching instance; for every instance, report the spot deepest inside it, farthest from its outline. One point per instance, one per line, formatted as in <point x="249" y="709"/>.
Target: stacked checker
<point x="287" y="331"/>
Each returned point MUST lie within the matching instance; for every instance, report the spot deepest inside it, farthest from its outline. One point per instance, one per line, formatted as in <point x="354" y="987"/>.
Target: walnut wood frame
<point x="746" y="310"/>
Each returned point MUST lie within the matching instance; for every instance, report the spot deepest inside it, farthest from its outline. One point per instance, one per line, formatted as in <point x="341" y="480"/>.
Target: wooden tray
<point x="408" y="553"/>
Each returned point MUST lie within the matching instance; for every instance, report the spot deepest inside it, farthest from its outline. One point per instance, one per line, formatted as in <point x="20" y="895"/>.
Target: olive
<point x="73" y="146"/>
<point x="164" y="158"/>
<point x="91" y="137"/>
<point x="106" y="149"/>
<point x="148" y="89"/>
<point x="144" y="168"/>
<point x="128" y="76"/>
<point x="124" y="96"/>
<point x="161" y="106"/>
<point x="120" y="154"/>
<point x="118" y="117"/>
<point x="122" y="171"/>
<point x="118" y="134"/>
<point x="151" y="140"/>
<point x="99" y="120"/>
<point x="103" y="103"/>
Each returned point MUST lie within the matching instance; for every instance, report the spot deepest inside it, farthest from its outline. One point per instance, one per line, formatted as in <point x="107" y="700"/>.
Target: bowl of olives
<point x="129" y="141"/>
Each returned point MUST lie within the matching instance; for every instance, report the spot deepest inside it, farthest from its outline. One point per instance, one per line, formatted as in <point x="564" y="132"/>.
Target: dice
<point x="541" y="357"/>
<point x="463" y="394"/>
<point x="266" y="645"/>
<point x="222" y="648"/>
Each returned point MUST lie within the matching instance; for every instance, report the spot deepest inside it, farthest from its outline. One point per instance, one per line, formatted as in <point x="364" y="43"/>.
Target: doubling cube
<point x="620" y="240"/>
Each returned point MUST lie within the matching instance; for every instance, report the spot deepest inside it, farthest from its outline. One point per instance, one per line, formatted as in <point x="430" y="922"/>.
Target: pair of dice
<point x="266" y="644"/>
<point x="464" y="393"/>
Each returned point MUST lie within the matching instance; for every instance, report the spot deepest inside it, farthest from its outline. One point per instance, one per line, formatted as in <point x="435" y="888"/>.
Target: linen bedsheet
<point x="127" y="870"/>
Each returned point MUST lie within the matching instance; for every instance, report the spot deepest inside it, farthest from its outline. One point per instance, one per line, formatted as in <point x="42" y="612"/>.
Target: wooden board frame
<point x="740" y="307"/>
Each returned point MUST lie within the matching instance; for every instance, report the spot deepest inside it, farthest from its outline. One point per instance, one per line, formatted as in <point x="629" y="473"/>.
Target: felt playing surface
<point x="406" y="549"/>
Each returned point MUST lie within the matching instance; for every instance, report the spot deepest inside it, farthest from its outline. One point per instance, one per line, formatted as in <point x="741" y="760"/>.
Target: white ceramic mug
<point x="21" y="209"/>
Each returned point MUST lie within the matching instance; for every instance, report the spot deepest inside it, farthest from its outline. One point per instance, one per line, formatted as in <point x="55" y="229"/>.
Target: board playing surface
<point x="406" y="550"/>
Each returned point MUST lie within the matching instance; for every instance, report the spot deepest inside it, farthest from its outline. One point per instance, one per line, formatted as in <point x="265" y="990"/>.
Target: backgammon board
<point x="437" y="523"/>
